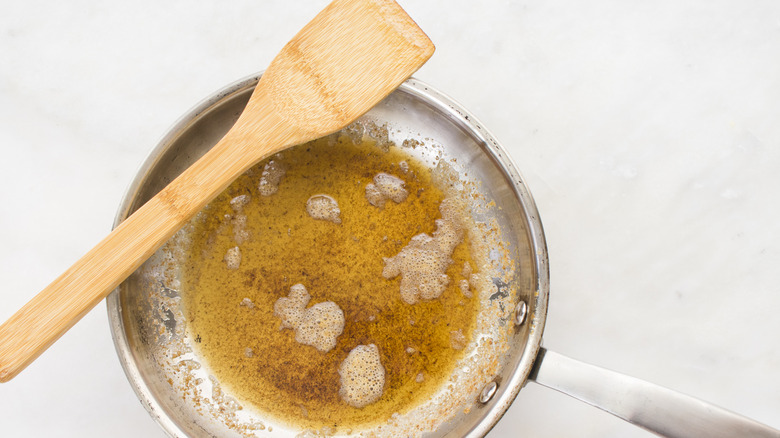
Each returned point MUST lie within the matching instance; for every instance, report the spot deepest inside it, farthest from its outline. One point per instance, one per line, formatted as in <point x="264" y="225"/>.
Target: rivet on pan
<point x="521" y="311"/>
<point x="488" y="392"/>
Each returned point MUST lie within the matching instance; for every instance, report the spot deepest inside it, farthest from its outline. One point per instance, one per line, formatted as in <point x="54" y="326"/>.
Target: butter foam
<point x="318" y="326"/>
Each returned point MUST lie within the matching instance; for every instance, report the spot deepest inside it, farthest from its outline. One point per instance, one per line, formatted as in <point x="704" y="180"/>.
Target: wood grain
<point x="342" y="63"/>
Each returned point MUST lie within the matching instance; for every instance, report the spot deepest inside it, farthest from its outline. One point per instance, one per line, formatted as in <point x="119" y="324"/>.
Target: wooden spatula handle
<point x="60" y="305"/>
<point x="349" y="57"/>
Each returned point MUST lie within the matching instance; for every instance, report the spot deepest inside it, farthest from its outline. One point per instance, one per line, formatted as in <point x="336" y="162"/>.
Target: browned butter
<point x="230" y="312"/>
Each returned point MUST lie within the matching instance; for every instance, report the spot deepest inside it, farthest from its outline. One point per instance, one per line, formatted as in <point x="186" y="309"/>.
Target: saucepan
<point x="180" y="393"/>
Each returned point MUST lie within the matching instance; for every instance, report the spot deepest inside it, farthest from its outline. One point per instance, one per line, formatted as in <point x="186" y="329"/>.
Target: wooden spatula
<point x="352" y="55"/>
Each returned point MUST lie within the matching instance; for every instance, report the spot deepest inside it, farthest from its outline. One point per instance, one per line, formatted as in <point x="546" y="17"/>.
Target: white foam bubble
<point x="239" y="202"/>
<point x="240" y="229"/>
<point x="233" y="258"/>
<point x="374" y="196"/>
<point x="384" y="187"/>
<point x="290" y="309"/>
<point x="422" y="264"/>
<point x="318" y="326"/>
<point x="362" y="376"/>
<point x="466" y="272"/>
<point x="323" y="207"/>
<point x="270" y="178"/>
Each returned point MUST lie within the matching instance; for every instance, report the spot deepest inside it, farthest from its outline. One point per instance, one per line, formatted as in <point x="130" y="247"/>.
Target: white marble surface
<point x="649" y="133"/>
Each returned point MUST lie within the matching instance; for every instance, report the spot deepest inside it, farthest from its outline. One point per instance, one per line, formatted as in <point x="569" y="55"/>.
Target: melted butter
<point x="342" y="263"/>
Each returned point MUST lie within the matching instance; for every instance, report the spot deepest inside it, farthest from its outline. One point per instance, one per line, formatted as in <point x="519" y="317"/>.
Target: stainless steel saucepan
<point x="149" y="330"/>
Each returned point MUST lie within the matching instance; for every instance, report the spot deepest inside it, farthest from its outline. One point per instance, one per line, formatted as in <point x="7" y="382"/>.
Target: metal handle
<point x="649" y="406"/>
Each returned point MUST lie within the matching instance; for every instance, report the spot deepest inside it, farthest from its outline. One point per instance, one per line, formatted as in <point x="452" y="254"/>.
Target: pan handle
<point x="649" y="406"/>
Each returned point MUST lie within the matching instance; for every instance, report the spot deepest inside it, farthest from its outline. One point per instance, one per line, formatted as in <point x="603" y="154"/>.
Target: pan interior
<point x="150" y="327"/>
